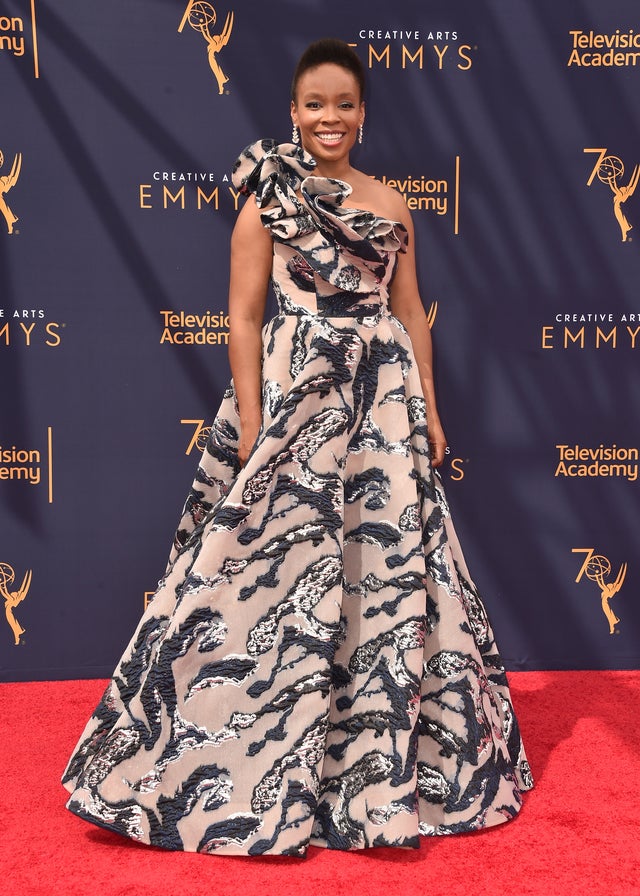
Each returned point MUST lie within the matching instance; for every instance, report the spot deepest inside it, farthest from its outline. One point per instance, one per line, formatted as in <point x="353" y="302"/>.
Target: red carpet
<point x="577" y="834"/>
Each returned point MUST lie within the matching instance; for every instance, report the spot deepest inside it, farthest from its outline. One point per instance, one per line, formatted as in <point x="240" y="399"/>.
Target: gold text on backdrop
<point x="12" y="35"/>
<point x="28" y="465"/>
<point x="206" y="328"/>
<point x="608" y="49"/>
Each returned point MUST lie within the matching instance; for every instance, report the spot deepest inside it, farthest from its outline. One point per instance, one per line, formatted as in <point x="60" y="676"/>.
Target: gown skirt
<point x="316" y="666"/>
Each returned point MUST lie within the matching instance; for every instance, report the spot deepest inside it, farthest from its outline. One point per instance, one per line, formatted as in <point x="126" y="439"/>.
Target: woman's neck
<point x="338" y="170"/>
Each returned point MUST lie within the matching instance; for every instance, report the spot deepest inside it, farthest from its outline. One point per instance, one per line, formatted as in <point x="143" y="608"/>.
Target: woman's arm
<point x="407" y="307"/>
<point x="251" y="259"/>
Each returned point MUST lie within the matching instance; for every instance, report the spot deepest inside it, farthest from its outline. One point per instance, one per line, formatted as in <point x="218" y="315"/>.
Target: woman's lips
<point x="329" y="138"/>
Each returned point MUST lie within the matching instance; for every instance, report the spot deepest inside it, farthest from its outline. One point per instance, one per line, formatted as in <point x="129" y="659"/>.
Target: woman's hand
<point x="437" y="441"/>
<point x="248" y="435"/>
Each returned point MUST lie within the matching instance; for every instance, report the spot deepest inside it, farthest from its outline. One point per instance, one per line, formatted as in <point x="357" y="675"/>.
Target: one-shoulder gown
<point x="316" y="666"/>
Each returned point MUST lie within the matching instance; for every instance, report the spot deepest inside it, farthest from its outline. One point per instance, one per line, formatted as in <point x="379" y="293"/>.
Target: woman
<point x="316" y="666"/>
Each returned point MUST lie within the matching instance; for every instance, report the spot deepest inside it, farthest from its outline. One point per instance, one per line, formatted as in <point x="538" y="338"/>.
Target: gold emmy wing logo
<point x="597" y="567"/>
<point x="13" y="598"/>
<point x="202" y="17"/>
<point x="6" y="182"/>
<point x="610" y="170"/>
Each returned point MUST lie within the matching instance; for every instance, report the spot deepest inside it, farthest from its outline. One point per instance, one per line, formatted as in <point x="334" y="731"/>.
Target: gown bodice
<point x="328" y="259"/>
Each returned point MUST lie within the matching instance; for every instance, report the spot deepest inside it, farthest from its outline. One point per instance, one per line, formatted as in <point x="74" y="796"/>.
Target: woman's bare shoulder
<point x="381" y="199"/>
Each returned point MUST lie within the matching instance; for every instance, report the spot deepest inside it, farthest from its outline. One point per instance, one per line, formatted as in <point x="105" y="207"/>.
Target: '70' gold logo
<point x="597" y="567"/>
<point x="609" y="169"/>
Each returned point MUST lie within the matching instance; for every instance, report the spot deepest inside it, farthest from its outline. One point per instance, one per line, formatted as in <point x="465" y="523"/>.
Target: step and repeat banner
<point x="511" y="128"/>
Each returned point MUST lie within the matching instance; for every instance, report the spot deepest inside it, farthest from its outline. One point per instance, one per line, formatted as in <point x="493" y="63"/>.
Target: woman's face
<point x="328" y="111"/>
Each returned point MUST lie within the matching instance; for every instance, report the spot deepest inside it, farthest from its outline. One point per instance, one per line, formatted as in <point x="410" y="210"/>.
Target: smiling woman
<point x="328" y="111"/>
<point x="327" y="102"/>
<point x="317" y="666"/>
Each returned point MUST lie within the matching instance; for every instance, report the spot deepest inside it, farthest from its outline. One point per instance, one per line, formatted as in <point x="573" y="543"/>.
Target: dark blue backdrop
<point x="513" y="130"/>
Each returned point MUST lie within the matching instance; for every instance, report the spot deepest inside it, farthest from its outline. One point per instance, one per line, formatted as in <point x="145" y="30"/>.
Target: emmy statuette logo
<point x="202" y="18"/>
<point x="597" y="568"/>
<point x="7" y="181"/>
<point x="609" y="170"/>
<point x="13" y="598"/>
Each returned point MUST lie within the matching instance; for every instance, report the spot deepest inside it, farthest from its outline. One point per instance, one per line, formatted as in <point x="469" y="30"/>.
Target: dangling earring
<point x="295" y="135"/>
<point x="360" y="134"/>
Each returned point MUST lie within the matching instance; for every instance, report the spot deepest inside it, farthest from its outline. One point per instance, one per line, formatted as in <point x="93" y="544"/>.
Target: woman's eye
<point x="346" y="105"/>
<point x="313" y="105"/>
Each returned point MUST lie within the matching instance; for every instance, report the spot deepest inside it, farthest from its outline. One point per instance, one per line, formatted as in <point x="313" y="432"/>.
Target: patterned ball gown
<point x="316" y="666"/>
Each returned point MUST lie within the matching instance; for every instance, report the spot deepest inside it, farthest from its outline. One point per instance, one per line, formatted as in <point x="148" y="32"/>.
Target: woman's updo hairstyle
<point x="329" y="49"/>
